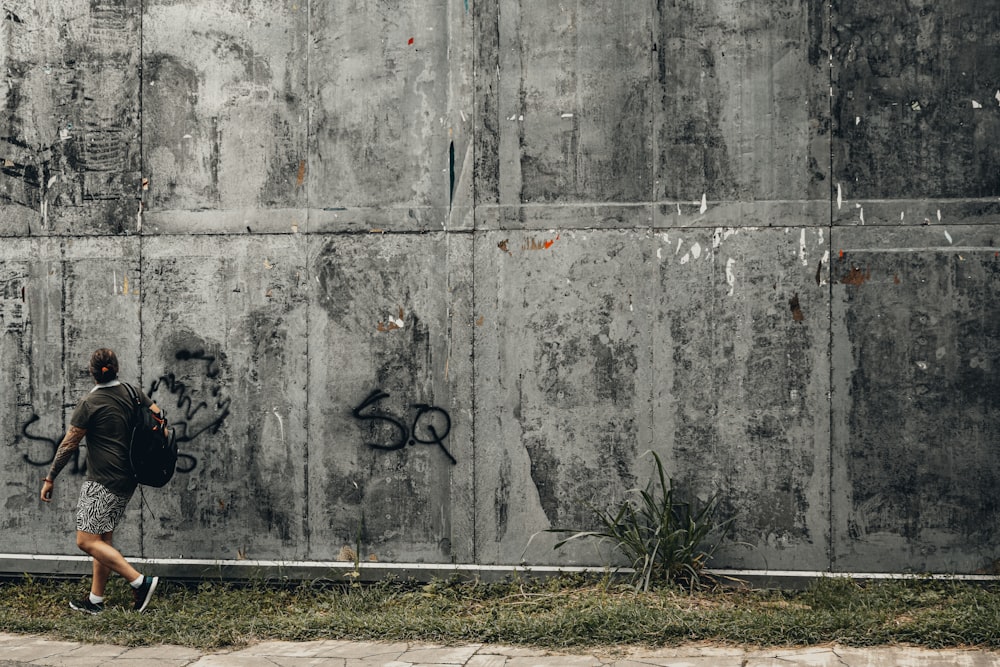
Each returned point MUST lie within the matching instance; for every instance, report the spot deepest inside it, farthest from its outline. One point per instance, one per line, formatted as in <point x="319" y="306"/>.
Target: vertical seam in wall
<point x="307" y="272"/>
<point x="142" y="283"/>
<point x="655" y="94"/>
<point x="472" y="279"/>
<point x="829" y="291"/>
<point x="62" y="337"/>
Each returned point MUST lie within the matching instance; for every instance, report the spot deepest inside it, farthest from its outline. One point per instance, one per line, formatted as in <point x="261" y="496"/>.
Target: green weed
<point x="664" y="540"/>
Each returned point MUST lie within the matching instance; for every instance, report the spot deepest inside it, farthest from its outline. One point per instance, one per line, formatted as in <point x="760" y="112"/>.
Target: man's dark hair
<point x="104" y="365"/>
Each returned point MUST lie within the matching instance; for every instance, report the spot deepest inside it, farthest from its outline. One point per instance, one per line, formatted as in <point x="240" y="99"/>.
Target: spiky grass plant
<point x="665" y="540"/>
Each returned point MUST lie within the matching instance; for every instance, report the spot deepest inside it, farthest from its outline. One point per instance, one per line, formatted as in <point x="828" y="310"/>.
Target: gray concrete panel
<point x="391" y="472"/>
<point x="32" y="421"/>
<point x="224" y="109"/>
<point x="707" y="346"/>
<point x="915" y="411"/>
<point x="915" y="105"/>
<point x="741" y="383"/>
<point x="69" y="157"/>
<point x="574" y="102"/>
<point x="913" y="212"/>
<point x="563" y="378"/>
<point x="390" y="104"/>
<point x="743" y="104"/>
<point x="58" y="300"/>
<point x="224" y="353"/>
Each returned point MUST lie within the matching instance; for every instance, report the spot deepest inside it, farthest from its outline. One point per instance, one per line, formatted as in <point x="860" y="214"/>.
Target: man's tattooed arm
<point x="66" y="449"/>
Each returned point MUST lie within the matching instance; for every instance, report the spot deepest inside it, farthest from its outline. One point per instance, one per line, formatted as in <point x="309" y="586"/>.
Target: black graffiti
<point x="189" y="409"/>
<point x="78" y="464"/>
<point x="210" y="370"/>
<point x="214" y="410"/>
<point x="423" y="430"/>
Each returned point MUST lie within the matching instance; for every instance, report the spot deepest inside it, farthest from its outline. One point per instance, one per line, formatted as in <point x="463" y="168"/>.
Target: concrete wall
<point x="433" y="276"/>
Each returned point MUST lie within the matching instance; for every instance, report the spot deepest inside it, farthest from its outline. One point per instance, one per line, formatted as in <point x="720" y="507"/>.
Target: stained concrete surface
<point x="417" y="281"/>
<point x="22" y="650"/>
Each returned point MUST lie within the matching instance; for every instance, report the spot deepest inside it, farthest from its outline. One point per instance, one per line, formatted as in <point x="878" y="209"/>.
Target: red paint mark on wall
<point x="532" y="244"/>
<point x="793" y="303"/>
<point x="410" y="41"/>
<point x="392" y="324"/>
<point x="857" y="277"/>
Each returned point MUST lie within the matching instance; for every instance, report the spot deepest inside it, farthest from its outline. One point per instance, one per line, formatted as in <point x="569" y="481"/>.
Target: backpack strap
<point x="133" y="393"/>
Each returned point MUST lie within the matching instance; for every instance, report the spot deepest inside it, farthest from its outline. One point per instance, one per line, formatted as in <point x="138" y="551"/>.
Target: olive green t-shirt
<point x="106" y="414"/>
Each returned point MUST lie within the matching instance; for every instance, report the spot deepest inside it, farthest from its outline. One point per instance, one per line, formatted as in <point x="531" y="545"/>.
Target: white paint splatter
<point x="462" y="113"/>
<point x="115" y="282"/>
<point x="704" y="204"/>
<point x="721" y="234"/>
<point x="902" y="215"/>
<point x="281" y="424"/>
<point x="997" y="97"/>
<point x="939" y="215"/>
<point x="686" y="258"/>
<point x="947" y="235"/>
<point x="802" y="249"/>
<point x="567" y="115"/>
<point x="976" y="105"/>
<point x="862" y="212"/>
<point x="678" y="208"/>
<point x="840" y="196"/>
<point x="826" y="262"/>
<point x="731" y="275"/>
<point x="696" y="250"/>
<point x="857" y="120"/>
<point x="659" y="253"/>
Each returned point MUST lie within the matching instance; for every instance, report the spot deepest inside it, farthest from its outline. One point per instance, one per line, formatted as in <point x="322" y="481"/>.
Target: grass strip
<point x="562" y="613"/>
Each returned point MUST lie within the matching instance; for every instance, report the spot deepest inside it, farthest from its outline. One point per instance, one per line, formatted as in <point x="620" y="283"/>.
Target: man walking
<point x="104" y="416"/>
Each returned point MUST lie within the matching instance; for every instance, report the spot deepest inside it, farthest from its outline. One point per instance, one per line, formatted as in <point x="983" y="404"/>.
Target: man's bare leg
<point x="105" y="556"/>
<point x="101" y="572"/>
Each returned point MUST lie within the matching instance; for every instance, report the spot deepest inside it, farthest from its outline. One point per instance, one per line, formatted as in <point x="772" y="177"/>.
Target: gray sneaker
<point x="86" y="606"/>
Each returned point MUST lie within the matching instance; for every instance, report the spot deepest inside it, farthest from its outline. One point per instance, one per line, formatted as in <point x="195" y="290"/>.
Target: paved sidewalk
<point x="22" y="650"/>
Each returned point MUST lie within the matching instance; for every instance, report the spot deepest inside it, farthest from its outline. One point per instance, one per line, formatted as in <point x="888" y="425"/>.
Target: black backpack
<point x="152" y="448"/>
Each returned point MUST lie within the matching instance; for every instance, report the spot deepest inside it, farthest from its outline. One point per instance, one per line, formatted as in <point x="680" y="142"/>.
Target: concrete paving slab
<point x="36" y="649"/>
<point x="455" y="655"/>
<point x="19" y="651"/>
<point x="806" y="658"/>
<point x="364" y="650"/>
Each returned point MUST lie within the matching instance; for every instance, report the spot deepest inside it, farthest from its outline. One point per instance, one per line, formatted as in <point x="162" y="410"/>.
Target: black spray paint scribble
<point x="78" y="465"/>
<point x="200" y="410"/>
<point x="192" y="418"/>
<point x="423" y="431"/>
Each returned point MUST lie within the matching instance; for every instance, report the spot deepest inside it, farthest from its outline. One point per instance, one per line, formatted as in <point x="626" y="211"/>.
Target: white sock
<point x="96" y="599"/>
<point x="138" y="581"/>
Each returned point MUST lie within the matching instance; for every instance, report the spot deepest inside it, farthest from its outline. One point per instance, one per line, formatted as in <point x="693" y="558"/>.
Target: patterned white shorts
<point x="99" y="510"/>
